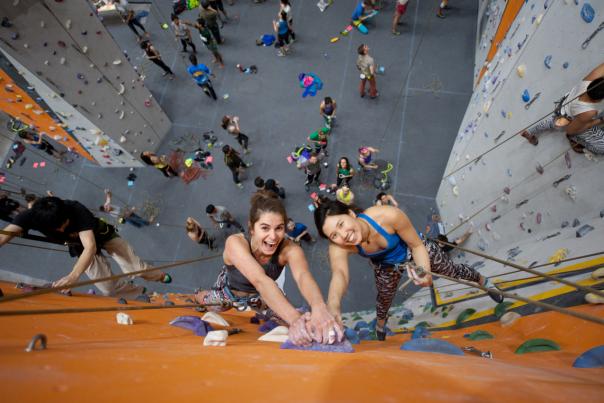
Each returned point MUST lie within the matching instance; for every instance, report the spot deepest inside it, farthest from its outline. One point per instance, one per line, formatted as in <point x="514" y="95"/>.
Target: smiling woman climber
<point x="385" y="235"/>
<point x="251" y="266"/>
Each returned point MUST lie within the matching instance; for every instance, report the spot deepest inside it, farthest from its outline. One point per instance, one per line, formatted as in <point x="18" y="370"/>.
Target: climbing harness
<point x="242" y="303"/>
<point x="528" y="105"/>
<point x="588" y="40"/>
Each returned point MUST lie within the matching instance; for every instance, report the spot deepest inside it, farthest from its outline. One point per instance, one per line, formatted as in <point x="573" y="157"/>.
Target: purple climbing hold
<point x="432" y="346"/>
<point x="564" y="224"/>
<point x="14" y="35"/>
<point x="584" y="230"/>
<point x="587" y="13"/>
<point x="91" y="292"/>
<point x="143" y="298"/>
<point x="80" y="76"/>
<point x="361" y="324"/>
<point x="194" y="323"/>
<point x="342" y="347"/>
<point x="503" y="113"/>
<point x="255" y="320"/>
<point x="538" y="218"/>
<point x="268" y="326"/>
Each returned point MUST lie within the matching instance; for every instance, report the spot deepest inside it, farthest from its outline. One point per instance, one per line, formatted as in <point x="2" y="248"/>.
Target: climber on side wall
<point x="253" y="263"/>
<point x="580" y="118"/>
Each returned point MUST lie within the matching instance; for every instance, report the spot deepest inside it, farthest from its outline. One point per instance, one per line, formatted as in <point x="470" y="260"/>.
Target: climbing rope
<point x="104" y="309"/>
<point x="475" y="159"/>
<point x="540" y="304"/>
<point x="100" y="280"/>
<point x="525" y="269"/>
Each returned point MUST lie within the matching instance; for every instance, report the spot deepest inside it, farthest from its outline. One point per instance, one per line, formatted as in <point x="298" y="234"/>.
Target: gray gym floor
<point x="423" y="96"/>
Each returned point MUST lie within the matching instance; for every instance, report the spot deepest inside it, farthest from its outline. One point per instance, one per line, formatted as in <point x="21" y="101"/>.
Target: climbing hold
<point x="521" y="70"/>
<point x="537" y="345"/>
<point x="547" y="61"/>
<point x="571" y="191"/>
<point x="431" y="346"/>
<point x="213" y="317"/>
<point x="122" y="301"/>
<point x="277" y="335"/>
<point x="117" y="62"/>
<point x="526" y="96"/>
<point x="539" y="19"/>
<point x="121" y="89"/>
<point x="68" y="24"/>
<point x="62" y="60"/>
<point x="464" y="315"/>
<point x="501" y="308"/>
<point x="564" y="224"/>
<point x="61" y="44"/>
<point x="479" y="335"/>
<point x="576" y="222"/>
<point x="587" y="12"/>
<point x="598" y="274"/>
<point x="420" y="332"/>
<point x="539" y="169"/>
<point x="268" y="326"/>
<point x="85" y="49"/>
<point x="558" y="255"/>
<point x="216" y="338"/>
<point x="123" y="319"/>
<point x="594" y="299"/>
<point x="455" y="191"/>
<point x="509" y="318"/>
<point x="360" y="325"/>
<point x="352" y="336"/>
<point x="538" y="218"/>
<point x="592" y="358"/>
<point x="194" y="323"/>
<point x="143" y="298"/>
<point x="567" y="159"/>
<point x="584" y="230"/>
<point x="343" y="347"/>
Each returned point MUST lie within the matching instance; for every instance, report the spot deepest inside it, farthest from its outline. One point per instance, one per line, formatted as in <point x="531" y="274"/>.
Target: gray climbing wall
<point x="71" y="61"/>
<point x="526" y="203"/>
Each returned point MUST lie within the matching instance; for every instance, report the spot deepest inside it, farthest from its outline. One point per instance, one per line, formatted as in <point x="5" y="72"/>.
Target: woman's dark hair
<point x="101" y="208"/>
<point x="201" y="22"/>
<point x="328" y="208"/>
<point x="146" y="158"/>
<point x="270" y="184"/>
<point x="345" y="159"/>
<point x="259" y="182"/>
<point x="379" y="196"/>
<point x="285" y="2"/>
<point x="265" y="202"/>
<point x="49" y="213"/>
<point x="595" y="89"/>
<point x="225" y="122"/>
<point x="283" y="15"/>
<point x="328" y="100"/>
<point x="144" y="44"/>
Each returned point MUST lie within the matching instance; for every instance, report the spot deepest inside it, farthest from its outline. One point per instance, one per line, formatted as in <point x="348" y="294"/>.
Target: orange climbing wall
<point x="91" y="358"/>
<point x="16" y="102"/>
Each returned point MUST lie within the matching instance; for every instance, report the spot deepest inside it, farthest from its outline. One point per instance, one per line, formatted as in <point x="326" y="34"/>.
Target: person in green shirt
<point x="318" y="139"/>
<point x="345" y="172"/>
<point x="208" y="39"/>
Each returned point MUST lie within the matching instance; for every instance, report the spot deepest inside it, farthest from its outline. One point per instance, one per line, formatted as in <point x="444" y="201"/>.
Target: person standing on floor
<point x="222" y="218"/>
<point x="201" y="74"/>
<point x="233" y="161"/>
<point x="285" y="7"/>
<point x="133" y="22"/>
<point x="210" y="16"/>
<point x="297" y="232"/>
<point x="345" y="195"/>
<point x="159" y="162"/>
<point x="328" y="111"/>
<point x="208" y="39"/>
<point x="318" y="139"/>
<point x="183" y="34"/>
<point x="270" y="185"/>
<point x="219" y="7"/>
<point x="122" y="214"/>
<point x="399" y="10"/>
<point x="38" y="141"/>
<point x="313" y="169"/>
<point x="154" y="56"/>
<point x="198" y="234"/>
<point x="231" y="125"/>
<point x="345" y="172"/>
<point x="71" y="222"/>
<point x="366" y="66"/>
<point x="281" y="28"/>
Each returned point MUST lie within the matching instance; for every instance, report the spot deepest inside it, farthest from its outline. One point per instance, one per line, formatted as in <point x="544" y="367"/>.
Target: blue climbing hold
<point x="431" y="346"/>
<point x="362" y="324"/>
<point x="587" y="13"/>
<point x="268" y="326"/>
<point x="342" y="347"/>
<point x="420" y="333"/>
<point x="548" y="61"/>
<point x="565" y="65"/>
<point x="352" y="336"/>
<point x="194" y="323"/>
<point x="592" y="358"/>
<point x="526" y="96"/>
<point x="366" y="334"/>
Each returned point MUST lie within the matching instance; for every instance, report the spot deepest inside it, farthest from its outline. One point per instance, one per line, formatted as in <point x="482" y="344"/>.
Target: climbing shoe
<point x="380" y="334"/>
<point x="167" y="279"/>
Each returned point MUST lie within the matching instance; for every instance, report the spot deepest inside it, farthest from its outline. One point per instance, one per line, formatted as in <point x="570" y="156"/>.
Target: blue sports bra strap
<point x="375" y="225"/>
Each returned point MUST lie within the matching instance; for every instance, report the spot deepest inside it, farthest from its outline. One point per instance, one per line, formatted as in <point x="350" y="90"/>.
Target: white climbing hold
<point x="42" y="24"/>
<point x="122" y="139"/>
<point x="509" y="318"/>
<point x="122" y="113"/>
<point x="117" y="62"/>
<point x="571" y="191"/>
<point x="213" y="317"/>
<point x="93" y="103"/>
<point x="85" y="49"/>
<point x="216" y="338"/>
<point x="521" y="70"/>
<point x="277" y="335"/>
<point x="46" y="62"/>
<point x="123" y="319"/>
<point x="452" y="180"/>
<point x="594" y="299"/>
<point x="598" y="274"/>
<point x="486" y="106"/>
<point x="122" y="89"/>
<point x="68" y="24"/>
<point x="26" y="45"/>
<point x="62" y="60"/>
<point x="539" y="18"/>
<point x="455" y="191"/>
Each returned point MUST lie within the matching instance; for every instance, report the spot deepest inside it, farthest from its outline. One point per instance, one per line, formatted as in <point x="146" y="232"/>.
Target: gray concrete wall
<point x="79" y="70"/>
<point x="535" y="208"/>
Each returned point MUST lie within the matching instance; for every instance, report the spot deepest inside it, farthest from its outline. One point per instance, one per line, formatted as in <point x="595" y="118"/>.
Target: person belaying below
<point x="578" y="114"/>
<point x="253" y="262"/>
<point x="385" y="235"/>
<point x="87" y="237"/>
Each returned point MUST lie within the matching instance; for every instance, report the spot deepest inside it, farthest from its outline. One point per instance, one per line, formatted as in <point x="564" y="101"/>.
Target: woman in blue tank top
<point x="385" y="235"/>
<point x="251" y="266"/>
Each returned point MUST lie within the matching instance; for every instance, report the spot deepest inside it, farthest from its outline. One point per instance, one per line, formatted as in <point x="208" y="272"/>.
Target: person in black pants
<point x="182" y="33"/>
<point x="154" y="56"/>
<point x="234" y="162"/>
<point x="131" y="20"/>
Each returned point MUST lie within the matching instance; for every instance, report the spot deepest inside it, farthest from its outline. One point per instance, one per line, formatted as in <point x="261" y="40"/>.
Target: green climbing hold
<point x="501" y="308"/>
<point x="357" y="317"/>
<point x="479" y="335"/>
<point x="403" y="322"/>
<point x="423" y="323"/>
<point x="464" y="315"/>
<point x="537" y="345"/>
<point x="432" y="309"/>
<point x="445" y="314"/>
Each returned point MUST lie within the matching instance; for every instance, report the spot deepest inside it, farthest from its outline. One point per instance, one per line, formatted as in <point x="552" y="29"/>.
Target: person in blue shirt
<point x="201" y="74"/>
<point x="297" y="231"/>
<point x="283" y="34"/>
<point x="360" y="10"/>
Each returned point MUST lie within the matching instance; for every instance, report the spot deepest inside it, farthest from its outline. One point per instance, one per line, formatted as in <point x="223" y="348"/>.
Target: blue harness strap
<point x="395" y="252"/>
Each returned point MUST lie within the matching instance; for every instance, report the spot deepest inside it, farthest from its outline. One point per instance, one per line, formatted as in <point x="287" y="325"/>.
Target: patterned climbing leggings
<point x="218" y="295"/>
<point x="387" y="278"/>
<point x="592" y="139"/>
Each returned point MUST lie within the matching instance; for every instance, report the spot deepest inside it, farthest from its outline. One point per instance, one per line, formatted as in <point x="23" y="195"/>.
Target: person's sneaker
<point x="240" y="185"/>
<point x="167" y="279"/>
<point x="246" y="151"/>
<point x="440" y="15"/>
<point x="280" y="54"/>
<point x="249" y="164"/>
<point x="396" y="33"/>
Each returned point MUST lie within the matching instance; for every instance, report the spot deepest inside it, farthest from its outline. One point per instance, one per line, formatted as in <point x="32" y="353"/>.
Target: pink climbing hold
<point x="494" y="208"/>
<point x="147" y="103"/>
<point x="538" y="218"/>
<point x="506" y="190"/>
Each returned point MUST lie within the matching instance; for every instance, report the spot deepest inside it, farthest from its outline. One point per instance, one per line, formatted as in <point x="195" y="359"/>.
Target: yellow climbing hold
<point x="558" y="255"/>
<point x="521" y="70"/>
<point x="334" y="39"/>
<point x="598" y="274"/>
<point x="188" y="162"/>
<point x="594" y="299"/>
